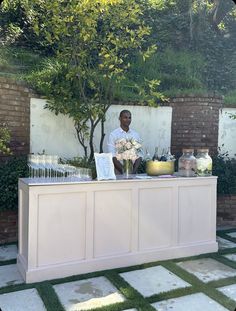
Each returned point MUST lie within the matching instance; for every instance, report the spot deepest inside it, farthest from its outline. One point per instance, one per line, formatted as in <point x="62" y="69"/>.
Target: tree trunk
<point x="103" y="119"/>
<point x="102" y="135"/>
<point x="92" y="128"/>
<point x="81" y="139"/>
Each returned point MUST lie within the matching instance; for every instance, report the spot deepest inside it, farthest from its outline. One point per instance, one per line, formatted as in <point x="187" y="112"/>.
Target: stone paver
<point x="24" y="300"/>
<point x="230" y="256"/>
<point x="223" y="243"/>
<point x="232" y="234"/>
<point x="9" y="275"/>
<point x="8" y="252"/>
<point x="194" y="302"/>
<point x="87" y="294"/>
<point x="207" y="269"/>
<point x="153" y="280"/>
<point x="229" y="291"/>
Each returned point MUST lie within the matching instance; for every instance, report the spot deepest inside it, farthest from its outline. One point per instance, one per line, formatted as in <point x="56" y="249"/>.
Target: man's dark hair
<point x="124" y="111"/>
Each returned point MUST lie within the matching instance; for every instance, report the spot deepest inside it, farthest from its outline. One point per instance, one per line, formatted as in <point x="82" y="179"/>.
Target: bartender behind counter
<point x="123" y="132"/>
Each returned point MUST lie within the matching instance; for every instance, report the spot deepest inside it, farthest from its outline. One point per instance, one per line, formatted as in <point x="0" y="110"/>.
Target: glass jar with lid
<point x="204" y="162"/>
<point x="187" y="163"/>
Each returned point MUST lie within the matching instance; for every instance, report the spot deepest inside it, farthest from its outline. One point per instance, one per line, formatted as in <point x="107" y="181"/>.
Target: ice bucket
<point x="155" y="168"/>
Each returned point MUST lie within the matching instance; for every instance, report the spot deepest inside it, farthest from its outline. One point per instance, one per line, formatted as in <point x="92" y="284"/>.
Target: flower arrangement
<point x="127" y="149"/>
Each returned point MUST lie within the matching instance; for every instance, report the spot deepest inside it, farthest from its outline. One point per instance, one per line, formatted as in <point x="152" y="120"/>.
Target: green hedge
<point x="225" y="168"/>
<point x="9" y="174"/>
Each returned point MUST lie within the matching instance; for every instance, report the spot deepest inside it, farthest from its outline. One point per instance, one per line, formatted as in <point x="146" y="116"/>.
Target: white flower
<point x="137" y="145"/>
<point x="119" y="156"/>
<point x="127" y="149"/>
<point x="128" y="145"/>
<point x="121" y="141"/>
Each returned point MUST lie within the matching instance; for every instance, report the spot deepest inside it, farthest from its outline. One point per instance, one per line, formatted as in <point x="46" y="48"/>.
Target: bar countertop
<point x="119" y="178"/>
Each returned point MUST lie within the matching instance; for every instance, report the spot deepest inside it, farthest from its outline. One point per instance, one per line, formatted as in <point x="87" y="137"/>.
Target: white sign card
<point x="104" y="166"/>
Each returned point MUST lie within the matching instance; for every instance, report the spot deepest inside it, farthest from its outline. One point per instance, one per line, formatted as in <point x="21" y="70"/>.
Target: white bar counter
<point x="69" y="228"/>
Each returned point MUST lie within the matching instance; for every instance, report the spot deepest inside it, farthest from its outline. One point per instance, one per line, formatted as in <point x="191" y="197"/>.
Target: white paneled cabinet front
<point x="67" y="229"/>
<point x="155" y="218"/>
<point x="112" y="222"/>
<point x="61" y="220"/>
<point x="195" y="218"/>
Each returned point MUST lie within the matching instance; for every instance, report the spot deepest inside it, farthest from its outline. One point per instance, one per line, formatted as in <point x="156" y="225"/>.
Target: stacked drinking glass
<point x="48" y="166"/>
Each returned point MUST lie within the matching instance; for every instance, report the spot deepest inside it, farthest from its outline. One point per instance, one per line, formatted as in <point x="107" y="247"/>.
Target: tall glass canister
<point x="204" y="162"/>
<point x="187" y="163"/>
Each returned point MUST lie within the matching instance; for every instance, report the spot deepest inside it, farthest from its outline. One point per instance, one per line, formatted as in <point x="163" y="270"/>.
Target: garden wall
<point x="195" y="122"/>
<point x="8" y="226"/>
<point x="227" y="131"/>
<point x="226" y="210"/>
<point x="15" y="113"/>
<point x="56" y="134"/>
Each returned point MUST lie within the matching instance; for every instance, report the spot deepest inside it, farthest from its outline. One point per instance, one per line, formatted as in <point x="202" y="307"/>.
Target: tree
<point x="207" y="27"/>
<point x="94" y="42"/>
<point x="16" y="26"/>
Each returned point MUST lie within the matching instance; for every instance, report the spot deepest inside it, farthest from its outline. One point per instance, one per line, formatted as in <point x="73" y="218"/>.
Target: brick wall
<point x="226" y="210"/>
<point x="8" y="226"/>
<point x="15" y="112"/>
<point x="195" y="122"/>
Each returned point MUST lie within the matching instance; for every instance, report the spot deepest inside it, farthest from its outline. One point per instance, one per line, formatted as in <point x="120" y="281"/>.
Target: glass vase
<point x="187" y="163"/>
<point x="127" y="168"/>
<point x="204" y="162"/>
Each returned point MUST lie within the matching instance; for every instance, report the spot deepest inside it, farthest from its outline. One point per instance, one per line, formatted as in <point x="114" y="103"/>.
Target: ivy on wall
<point x="5" y="137"/>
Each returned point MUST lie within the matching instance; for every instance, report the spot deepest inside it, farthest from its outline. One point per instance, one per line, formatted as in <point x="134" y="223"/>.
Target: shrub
<point x="83" y="162"/>
<point x="4" y="140"/>
<point x="225" y="168"/>
<point x="230" y="98"/>
<point x="176" y="69"/>
<point x="9" y="174"/>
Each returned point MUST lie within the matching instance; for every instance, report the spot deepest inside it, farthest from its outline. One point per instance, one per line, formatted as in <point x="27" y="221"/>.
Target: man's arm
<point x="118" y="165"/>
<point x="139" y="160"/>
<point x="136" y="165"/>
<point x="111" y="148"/>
